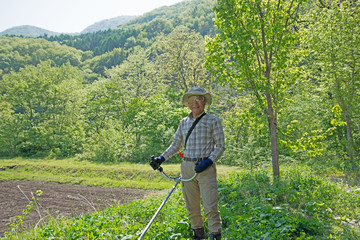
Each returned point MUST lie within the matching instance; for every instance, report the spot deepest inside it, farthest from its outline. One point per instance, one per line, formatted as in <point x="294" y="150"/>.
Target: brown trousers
<point x="205" y="186"/>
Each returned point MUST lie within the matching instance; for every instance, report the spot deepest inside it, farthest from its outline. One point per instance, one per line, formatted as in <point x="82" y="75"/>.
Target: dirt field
<point x="58" y="200"/>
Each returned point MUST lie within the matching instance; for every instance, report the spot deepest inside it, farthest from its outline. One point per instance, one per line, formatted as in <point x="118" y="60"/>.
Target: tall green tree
<point x="252" y="52"/>
<point x="181" y="59"/>
<point x="331" y="38"/>
<point x="10" y="130"/>
<point x="245" y="134"/>
<point x="42" y="104"/>
<point x="112" y="105"/>
<point x="109" y="136"/>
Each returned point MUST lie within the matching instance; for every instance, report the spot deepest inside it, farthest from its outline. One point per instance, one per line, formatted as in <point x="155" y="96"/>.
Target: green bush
<point x="299" y="206"/>
<point x="112" y="144"/>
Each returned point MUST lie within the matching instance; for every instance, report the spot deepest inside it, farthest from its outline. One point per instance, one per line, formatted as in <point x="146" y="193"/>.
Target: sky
<point x="70" y="16"/>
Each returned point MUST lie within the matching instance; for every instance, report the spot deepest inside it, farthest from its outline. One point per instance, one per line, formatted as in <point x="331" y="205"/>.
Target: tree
<point x="111" y="106"/>
<point x="42" y="105"/>
<point x="332" y="41"/>
<point x="252" y="52"/>
<point x="10" y="130"/>
<point x="245" y="133"/>
<point x="182" y="59"/>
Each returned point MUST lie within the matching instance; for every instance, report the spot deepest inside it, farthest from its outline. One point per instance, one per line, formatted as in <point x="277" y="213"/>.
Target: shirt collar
<point x="191" y="116"/>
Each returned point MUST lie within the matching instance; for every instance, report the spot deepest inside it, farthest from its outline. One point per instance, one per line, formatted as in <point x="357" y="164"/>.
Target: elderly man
<point x="203" y="147"/>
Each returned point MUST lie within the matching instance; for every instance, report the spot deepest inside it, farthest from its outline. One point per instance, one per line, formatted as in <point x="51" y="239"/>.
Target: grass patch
<point x="71" y="171"/>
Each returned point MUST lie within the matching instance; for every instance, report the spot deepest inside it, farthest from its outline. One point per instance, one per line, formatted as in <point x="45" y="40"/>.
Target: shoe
<point x="199" y="233"/>
<point x="215" y="236"/>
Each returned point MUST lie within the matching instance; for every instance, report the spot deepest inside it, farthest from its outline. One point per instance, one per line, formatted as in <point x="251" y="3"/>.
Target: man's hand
<point x="202" y="165"/>
<point x="156" y="162"/>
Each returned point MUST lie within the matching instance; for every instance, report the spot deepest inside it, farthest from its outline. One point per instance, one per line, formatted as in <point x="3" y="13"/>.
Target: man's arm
<point x="219" y="141"/>
<point x="176" y="145"/>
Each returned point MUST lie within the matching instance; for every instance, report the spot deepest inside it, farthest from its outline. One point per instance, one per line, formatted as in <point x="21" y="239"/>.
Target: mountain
<point x="28" y="31"/>
<point x="196" y="15"/>
<point x="32" y="31"/>
<point x="101" y="50"/>
<point x="107" y="24"/>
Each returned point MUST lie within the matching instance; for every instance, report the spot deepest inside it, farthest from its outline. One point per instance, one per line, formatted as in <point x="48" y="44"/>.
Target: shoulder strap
<point x="192" y="127"/>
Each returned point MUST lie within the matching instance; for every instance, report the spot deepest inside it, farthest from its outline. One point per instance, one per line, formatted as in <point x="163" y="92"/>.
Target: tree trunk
<point x="273" y="137"/>
<point x="349" y="136"/>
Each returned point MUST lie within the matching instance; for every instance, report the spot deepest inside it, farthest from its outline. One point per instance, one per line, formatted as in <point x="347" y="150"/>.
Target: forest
<point x="285" y="84"/>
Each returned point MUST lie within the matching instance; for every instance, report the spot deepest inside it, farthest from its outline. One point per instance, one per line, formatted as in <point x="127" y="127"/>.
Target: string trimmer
<point x="177" y="180"/>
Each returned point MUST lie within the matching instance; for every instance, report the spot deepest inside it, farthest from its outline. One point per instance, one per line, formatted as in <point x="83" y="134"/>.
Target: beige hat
<point x="196" y="91"/>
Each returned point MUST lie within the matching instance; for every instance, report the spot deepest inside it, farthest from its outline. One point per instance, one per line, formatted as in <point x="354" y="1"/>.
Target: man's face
<point x="196" y="104"/>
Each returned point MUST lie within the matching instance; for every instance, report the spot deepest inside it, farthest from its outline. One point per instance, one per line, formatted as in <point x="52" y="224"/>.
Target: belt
<point x="195" y="159"/>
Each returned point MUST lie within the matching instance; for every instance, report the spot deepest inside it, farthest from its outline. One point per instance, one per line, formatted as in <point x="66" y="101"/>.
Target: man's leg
<point x="191" y="192"/>
<point x="210" y="196"/>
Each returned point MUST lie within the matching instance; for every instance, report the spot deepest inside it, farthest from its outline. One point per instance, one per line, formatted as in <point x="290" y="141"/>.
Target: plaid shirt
<point x="206" y="140"/>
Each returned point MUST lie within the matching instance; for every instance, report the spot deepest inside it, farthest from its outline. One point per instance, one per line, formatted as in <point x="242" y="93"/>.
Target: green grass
<point x="303" y="204"/>
<point x="71" y="171"/>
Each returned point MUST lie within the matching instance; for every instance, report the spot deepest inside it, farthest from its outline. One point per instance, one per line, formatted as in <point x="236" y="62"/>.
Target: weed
<point x="12" y="233"/>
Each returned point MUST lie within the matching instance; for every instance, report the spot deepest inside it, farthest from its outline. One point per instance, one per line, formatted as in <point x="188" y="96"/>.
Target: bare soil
<point x="58" y="200"/>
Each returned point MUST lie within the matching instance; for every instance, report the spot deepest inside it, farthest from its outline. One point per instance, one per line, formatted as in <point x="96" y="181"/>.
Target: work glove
<point x="156" y="162"/>
<point x="202" y="165"/>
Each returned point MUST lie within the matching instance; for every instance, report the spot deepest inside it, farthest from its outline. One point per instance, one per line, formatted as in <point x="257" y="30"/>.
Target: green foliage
<point x="245" y="134"/>
<point x="331" y="40"/>
<point x="16" y="53"/>
<point x="252" y="52"/>
<point x="180" y="61"/>
<point x="45" y="104"/>
<point x="108" y="110"/>
<point x="112" y="143"/>
<point x="299" y="206"/>
<point x="312" y="143"/>
<point x="126" y="222"/>
<point x="254" y="44"/>
<point x="155" y="130"/>
<point x="8" y="124"/>
<point x="118" y="110"/>
<point x="100" y="63"/>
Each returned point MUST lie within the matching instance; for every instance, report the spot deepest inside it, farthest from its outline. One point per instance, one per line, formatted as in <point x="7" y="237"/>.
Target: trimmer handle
<point x="155" y="164"/>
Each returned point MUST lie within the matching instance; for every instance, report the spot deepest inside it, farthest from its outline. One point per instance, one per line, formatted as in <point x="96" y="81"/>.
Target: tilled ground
<point x="58" y="200"/>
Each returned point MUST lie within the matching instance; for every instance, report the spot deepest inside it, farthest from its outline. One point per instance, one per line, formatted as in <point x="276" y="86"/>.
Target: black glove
<point x="156" y="162"/>
<point x="202" y="165"/>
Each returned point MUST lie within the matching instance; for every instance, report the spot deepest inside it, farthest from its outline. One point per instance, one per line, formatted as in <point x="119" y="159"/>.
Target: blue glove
<point x="202" y="165"/>
<point x="156" y="162"/>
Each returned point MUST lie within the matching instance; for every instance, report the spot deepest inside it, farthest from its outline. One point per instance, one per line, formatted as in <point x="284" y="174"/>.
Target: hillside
<point x="196" y="15"/>
<point x="107" y="24"/>
<point x="28" y="31"/>
<point x="33" y="31"/>
<point x="17" y="52"/>
<point x="105" y="49"/>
